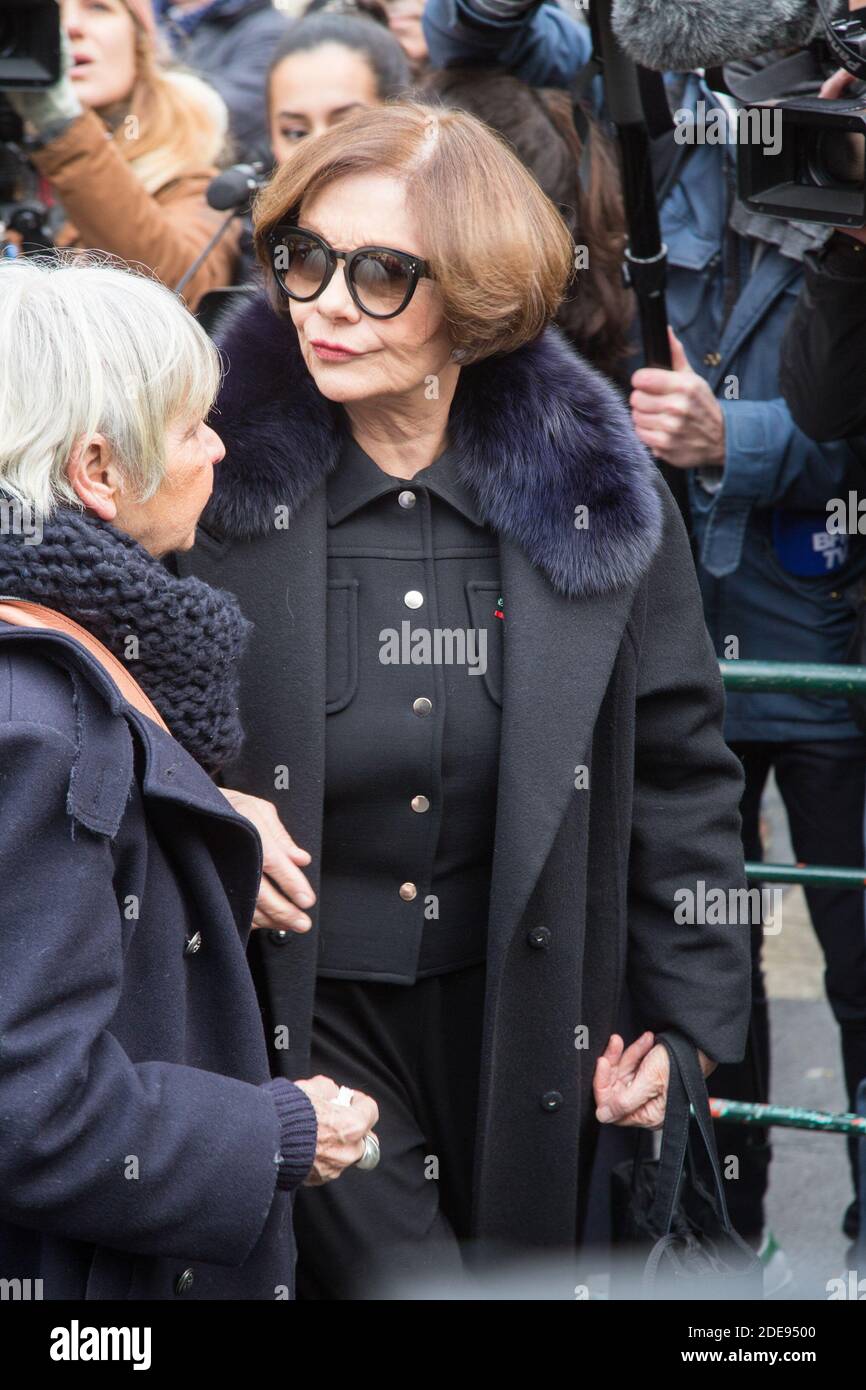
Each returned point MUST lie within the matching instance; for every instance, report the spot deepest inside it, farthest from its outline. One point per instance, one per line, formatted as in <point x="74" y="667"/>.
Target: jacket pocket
<point x="342" y="644"/>
<point x="691" y="265"/>
<point x="482" y="598"/>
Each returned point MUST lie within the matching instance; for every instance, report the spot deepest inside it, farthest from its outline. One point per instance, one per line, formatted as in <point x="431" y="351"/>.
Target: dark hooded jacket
<point x="615" y="788"/>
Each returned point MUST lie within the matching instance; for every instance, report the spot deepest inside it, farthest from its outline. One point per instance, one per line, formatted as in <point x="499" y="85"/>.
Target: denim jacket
<point x="771" y="576"/>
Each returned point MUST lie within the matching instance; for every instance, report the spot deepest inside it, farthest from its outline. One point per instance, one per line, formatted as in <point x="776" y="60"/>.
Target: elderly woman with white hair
<point x="145" y="1152"/>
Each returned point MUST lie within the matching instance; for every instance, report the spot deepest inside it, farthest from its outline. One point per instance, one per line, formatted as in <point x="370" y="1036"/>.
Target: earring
<point x="458" y="354"/>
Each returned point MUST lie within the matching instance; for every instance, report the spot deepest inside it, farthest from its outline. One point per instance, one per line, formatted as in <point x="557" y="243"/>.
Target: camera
<point x="815" y="170"/>
<point x="29" y="61"/>
<point x="29" y="44"/>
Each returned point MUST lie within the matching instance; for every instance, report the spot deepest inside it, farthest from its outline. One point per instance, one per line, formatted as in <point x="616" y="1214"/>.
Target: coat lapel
<point x="304" y="586"/>
<point x="551" y="696"/>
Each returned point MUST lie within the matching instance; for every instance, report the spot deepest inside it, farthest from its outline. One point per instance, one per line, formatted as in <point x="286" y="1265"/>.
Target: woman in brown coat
<point x="129" y="147"/>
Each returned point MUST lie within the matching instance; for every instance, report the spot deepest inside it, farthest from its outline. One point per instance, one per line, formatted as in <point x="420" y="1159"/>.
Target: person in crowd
<point x="773" y="579"/>
<point x="598" y="313"/>
<point x="145" y="1151"/>
<point x="822" y="351"/>
<point x="331" y="61"/>
<point x="542" y="44"/>
<point x="128" y="147"/>
<point x="327" y="66"/>
<point x="230" y="43"/>
<point x="480" y="697"/>
<point x="404" y="21"/>
<point x="402" y="17"/>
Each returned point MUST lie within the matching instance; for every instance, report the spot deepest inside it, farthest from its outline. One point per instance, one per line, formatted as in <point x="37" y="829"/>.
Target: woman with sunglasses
<point x="484" y="742"/>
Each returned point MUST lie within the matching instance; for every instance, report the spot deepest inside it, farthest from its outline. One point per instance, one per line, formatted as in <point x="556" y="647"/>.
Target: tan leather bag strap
<point x="33" y="615"/>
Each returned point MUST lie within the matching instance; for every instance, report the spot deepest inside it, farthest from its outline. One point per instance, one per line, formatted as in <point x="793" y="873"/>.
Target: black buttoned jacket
<point x="407" y="835"/>
<point x="615" y="787"/>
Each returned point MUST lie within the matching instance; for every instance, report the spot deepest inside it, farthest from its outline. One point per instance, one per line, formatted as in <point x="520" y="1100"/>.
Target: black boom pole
<point x="626" y="89"/>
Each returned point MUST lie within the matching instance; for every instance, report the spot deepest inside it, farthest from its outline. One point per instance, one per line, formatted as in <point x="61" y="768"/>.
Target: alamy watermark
<point x="77" y="1343"/>
<point x="730" y="906"/>
<point x="19" y="518"/>
<point x="723" y="125"/>
<point x="20" y="1290"/>
<point x="438" y="646"/>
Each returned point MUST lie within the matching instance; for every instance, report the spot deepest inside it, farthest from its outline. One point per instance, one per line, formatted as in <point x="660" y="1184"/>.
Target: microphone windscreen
<point x="232" y="188"/>
<point x="676" y="35"/>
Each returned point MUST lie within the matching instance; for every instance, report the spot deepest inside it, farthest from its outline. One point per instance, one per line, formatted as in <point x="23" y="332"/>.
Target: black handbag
<point x="662" y="1213"/>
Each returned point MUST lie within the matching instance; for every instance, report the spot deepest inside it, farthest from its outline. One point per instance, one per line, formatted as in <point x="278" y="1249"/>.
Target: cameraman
<point x="129" y="147"/>
<point x="822" y="354"/>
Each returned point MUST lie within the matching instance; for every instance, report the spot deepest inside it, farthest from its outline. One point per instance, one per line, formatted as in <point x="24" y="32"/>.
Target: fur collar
<point x="538" y="433"/>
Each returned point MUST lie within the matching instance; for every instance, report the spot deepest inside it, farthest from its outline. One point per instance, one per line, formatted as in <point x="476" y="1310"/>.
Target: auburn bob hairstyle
<point x="497" y="248"/>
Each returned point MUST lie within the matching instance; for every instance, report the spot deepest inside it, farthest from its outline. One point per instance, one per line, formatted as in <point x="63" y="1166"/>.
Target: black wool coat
<point x="138" y="1131"/>
<point x="607" y="667"/>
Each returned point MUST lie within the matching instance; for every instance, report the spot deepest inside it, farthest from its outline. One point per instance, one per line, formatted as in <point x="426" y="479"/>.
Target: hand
<point x="284" y="890"/>
<point x="630" y="1084"/>
<point x="676" y="414"/>
<point x="831" y="90"/>
<point x="51" y="106"/>
<point x="340" y="1140"/>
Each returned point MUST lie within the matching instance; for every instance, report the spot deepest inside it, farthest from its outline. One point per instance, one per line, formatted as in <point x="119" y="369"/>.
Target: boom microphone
<point x="236" y="186"/>
<point x="677" y="35"/>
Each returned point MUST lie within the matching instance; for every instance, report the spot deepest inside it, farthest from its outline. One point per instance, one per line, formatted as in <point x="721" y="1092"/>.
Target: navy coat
<point x="137" y="1147"/>
<point x="615" y="785"/>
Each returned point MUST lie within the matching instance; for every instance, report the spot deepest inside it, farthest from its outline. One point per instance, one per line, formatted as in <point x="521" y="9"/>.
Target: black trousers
<point x="416" y="1050"/>
<point x="822" y="786"/>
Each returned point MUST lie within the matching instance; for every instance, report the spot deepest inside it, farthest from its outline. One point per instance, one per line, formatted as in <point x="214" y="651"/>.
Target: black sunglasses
<point x="381" y="281"/>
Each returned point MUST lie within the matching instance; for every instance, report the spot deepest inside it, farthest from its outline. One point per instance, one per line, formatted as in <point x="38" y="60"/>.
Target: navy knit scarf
<point x="179" y="638"/>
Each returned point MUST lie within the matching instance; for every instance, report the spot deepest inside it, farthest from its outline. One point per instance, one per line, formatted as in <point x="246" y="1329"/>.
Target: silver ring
<point x="370" y="1157"/>
<point x="344" y="1096"/>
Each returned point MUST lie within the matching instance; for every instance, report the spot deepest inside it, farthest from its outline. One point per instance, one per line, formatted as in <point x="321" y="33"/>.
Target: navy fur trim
<point x="538" y="433"/>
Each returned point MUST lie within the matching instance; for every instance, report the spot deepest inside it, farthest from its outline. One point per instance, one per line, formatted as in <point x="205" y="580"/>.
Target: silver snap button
<point x="420" y="803"/>
<point x="422" y="706"/>
<point x="413" y="599"/>
<point x="406" y="499"/>
<point x="408" y="891"/>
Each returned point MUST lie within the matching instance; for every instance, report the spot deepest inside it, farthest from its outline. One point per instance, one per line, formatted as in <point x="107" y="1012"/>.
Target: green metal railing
<point x="742" y="1112"/>
<point x="805" y="677"/>
<point x="824" y="876"/>
<point x="810" y="678"/>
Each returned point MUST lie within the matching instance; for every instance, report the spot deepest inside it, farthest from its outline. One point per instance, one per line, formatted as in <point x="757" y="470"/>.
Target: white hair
<point x="89" y="348"/>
